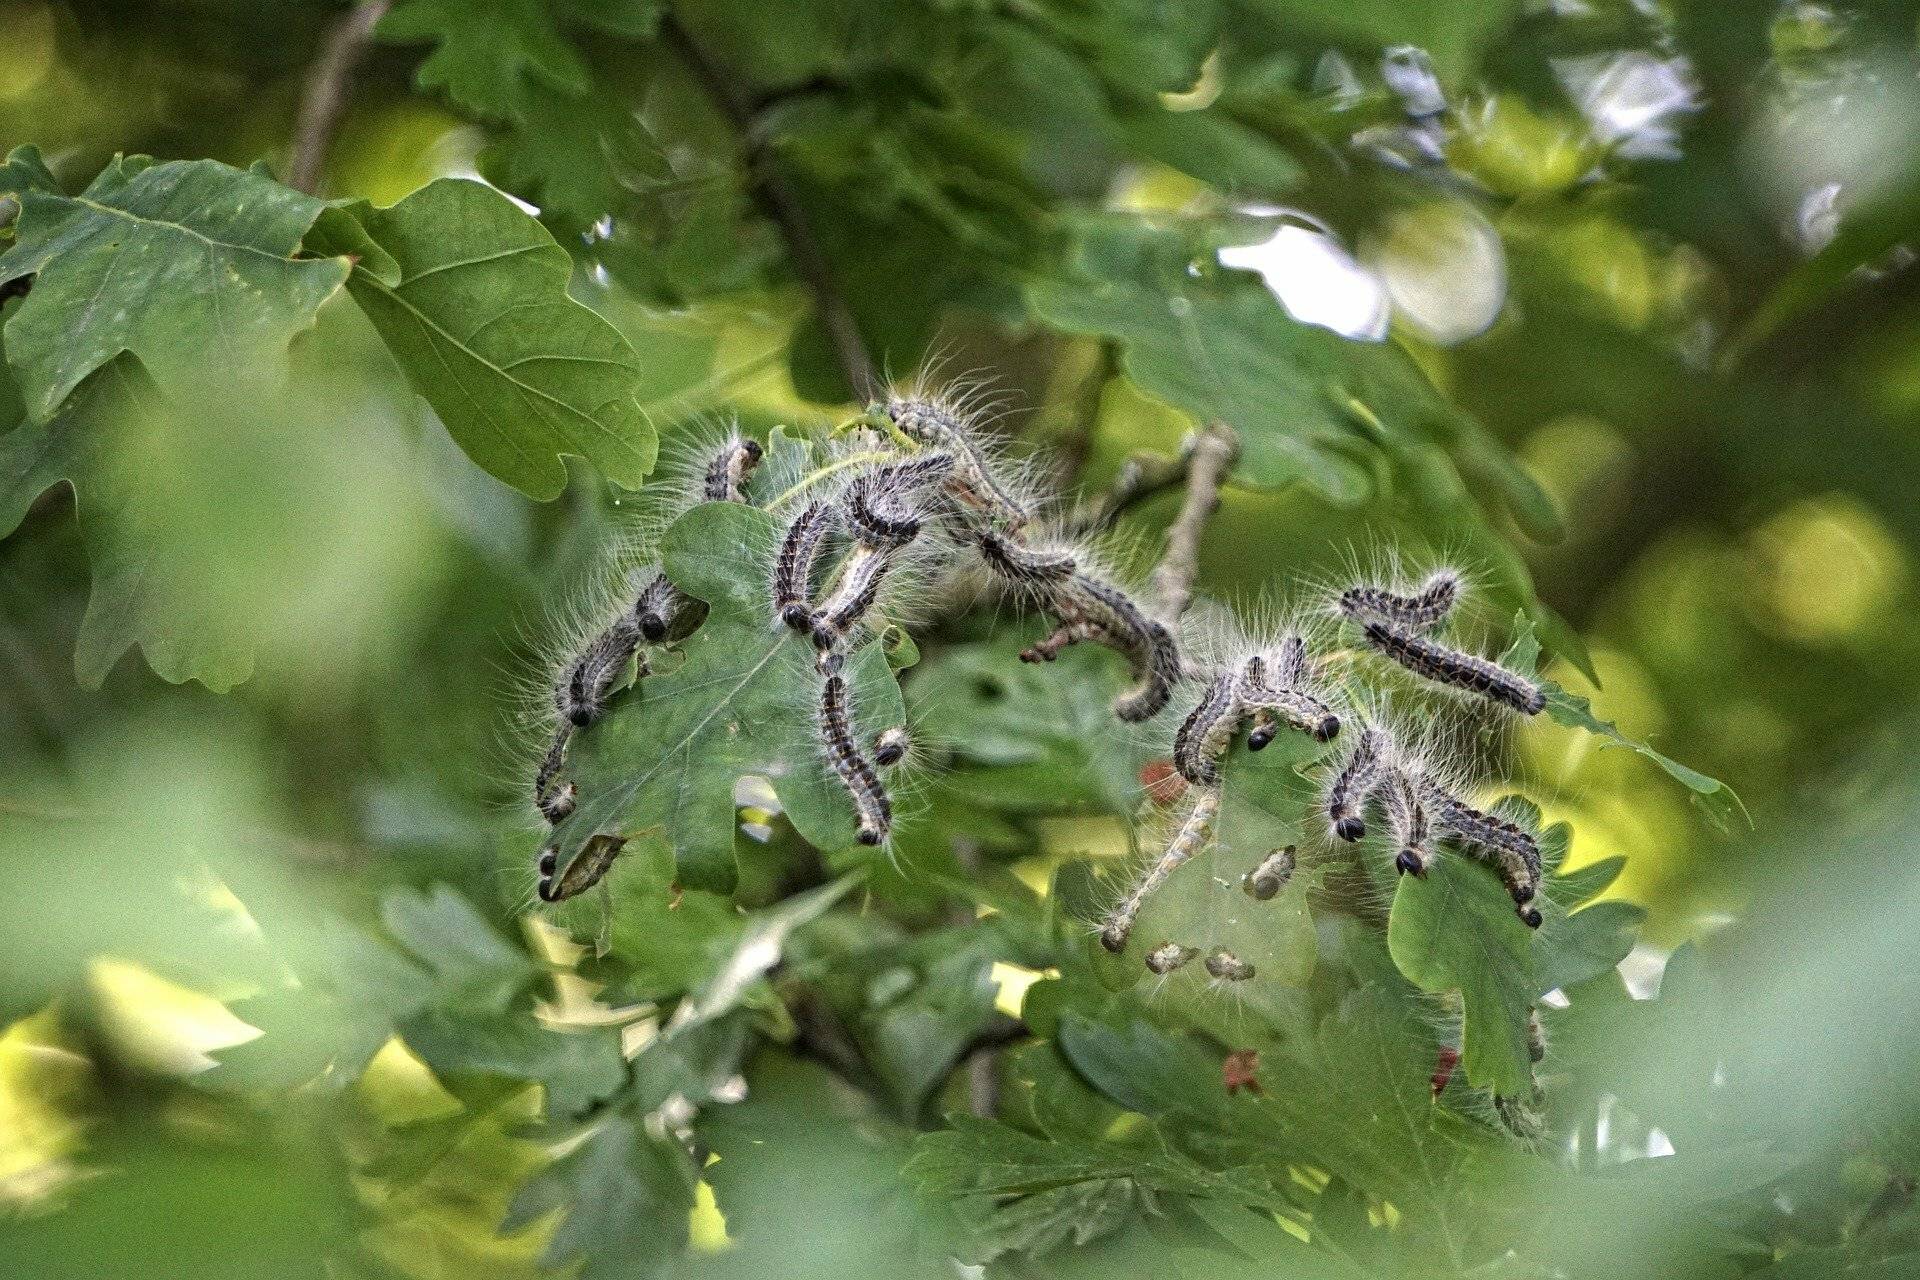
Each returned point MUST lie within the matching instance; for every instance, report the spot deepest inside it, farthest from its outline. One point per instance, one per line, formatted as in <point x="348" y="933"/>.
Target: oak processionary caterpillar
<point x="875" y="811"/>
<point x="1347" y="793"/>
<point x="1434" y="661"/>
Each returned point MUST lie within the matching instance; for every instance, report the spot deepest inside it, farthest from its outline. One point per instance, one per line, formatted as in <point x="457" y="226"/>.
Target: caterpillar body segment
<point x="890" y="746"/>
<point x="924" y="423"/>
<point x="587" y="869"/>
<point x="859" y="586"/>
<point x="1536" y="1037"/>
<point x="1189" y="840"/>
<point x="1514" y="852"/>
<point x="1029" y="568"/>
<point x="1431" y="660"/>
<point x="872" y="808"/>
<point x="582" y="697"/>
<point x="881" y="504"/>
<point x="661" y="612"/>
<point x="554" y="803"/>
<point x="1082" y="600"/>
<point x="1205" y="736"/>
<point x="793" y="565"/>
<point x="1347" y="793"/>
<point x="1423" y="610"/>
<point x="1224" y="966"/>
<point x="1278" y="700"/>
<point x="1293" y="666"/>
<point x="1407" y="820"/>
<point x="1048" y="647"/>
<point x="728" y="471"/>
<point x="1168" y="956"/>
<point x="1265" y="881"/>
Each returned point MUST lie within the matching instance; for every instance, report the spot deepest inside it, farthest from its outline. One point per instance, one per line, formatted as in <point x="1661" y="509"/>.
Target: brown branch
<point x="1212" y="453"/>
<point x="325" y="95"/>
<point x="781" y="202"/>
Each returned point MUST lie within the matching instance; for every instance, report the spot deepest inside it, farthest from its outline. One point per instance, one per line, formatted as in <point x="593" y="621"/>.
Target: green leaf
<point x="475" y="966"/>
<point x="1715" y="798"/>
<point x="485" y="48"/>
<point x="481" y="323"/>
<point x="626" y="1196"/>
<point x="130" y="456"/>
<point x="746" y="702"/>
<point x="1042" y="733"/>
<point x="1310" y="406"/>
<point x="188" y="265"/>
<point x="1455" y="929"/>
<point x="1035" y="1194"/>
<point x="576" y="1068"/>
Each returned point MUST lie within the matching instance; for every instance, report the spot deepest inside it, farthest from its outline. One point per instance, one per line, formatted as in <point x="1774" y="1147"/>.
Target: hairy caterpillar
<point x="1115" y="620"/>
<point x="1265" y="881"/>
<point x="1536" y="1037"/>
<point x="1168" y="956"/>
<point x="1049" y="646"/>
<point x="1285" y="703"/>
<point x="1514" y="853"/>
<point x="874" y="810"/>
<point x="1347" y="793"/>
<point x="1437" y="662"/>
<point x="923" y="422"/>
<point x="587" y="869"/>
<point x="890" y="746"/>
<point x="876" y="504"/>
<point x="554" y="803"/>
<point x="1407" y="818"/>
<point x="728" y="471"/>
<point x="1206" y="734"/>
<point x="1224" y="966"/>
<point x="1019" y="564"/>
<point x="793" y="565"/>
<point x="582" y="696"/>
<point x="1192" y="837"/>
<point x="1420" y="611"/>
<point x="859" y="586"/>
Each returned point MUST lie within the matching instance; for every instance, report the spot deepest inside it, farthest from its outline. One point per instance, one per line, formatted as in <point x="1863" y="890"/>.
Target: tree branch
<point x="781" y="202"/>
<point x="1211" y="454"/>
<point x="325" y="94"/>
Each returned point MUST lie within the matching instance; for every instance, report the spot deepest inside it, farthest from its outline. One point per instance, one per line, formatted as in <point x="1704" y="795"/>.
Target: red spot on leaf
<point x="1236" y="1073"/>
<point x="1443" y="1066"/>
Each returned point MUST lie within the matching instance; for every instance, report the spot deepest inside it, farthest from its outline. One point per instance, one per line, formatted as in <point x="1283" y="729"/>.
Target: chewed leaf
<point x="746" y="702"/>
<point x="481" y="323"/>
<point x="188" y="265"/>
<point x="1455" y="930"/>
<point x="1715" y="798"/>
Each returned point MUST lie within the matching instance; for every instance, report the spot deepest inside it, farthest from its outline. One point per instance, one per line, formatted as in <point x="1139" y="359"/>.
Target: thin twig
<point x="325" y="94"/>
<point x="1142" y="475"/>
<point x="782" y="203"/>
<point x="1213" y="452"/>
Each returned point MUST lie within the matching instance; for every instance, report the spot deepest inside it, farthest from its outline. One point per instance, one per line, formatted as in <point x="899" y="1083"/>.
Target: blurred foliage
<point x="1625" y="321"/>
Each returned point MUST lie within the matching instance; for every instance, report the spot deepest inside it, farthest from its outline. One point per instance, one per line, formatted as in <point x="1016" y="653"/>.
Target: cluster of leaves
<point x="768" y="1013"/>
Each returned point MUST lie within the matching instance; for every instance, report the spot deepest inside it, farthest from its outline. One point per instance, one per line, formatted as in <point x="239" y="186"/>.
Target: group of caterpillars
<point x="930" y="479"/>
<point x="1260" y="691"/>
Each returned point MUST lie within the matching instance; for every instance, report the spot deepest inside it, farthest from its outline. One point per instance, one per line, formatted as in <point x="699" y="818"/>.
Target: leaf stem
<point x="812" y="478"/>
